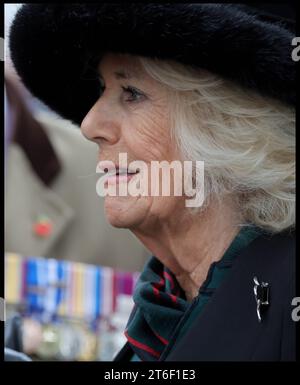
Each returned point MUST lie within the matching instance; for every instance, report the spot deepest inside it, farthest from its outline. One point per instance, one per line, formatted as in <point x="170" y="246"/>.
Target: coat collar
<point x="23" y="210"/>
<point x="228" y="328"/>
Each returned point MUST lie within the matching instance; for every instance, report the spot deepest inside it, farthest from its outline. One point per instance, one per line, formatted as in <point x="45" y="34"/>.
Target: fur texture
<point x="55" y="48"/>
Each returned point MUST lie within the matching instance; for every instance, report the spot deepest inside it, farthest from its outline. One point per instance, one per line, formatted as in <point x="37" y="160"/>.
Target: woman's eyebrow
<point x="121" y="74"/>
<point x="125" y="74"/>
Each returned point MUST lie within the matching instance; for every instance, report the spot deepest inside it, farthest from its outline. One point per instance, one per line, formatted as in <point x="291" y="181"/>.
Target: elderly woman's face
<point x="132" y="116"/>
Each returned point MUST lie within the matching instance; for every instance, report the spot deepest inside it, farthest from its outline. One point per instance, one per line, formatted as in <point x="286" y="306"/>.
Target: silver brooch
<point x="261" y="292"/>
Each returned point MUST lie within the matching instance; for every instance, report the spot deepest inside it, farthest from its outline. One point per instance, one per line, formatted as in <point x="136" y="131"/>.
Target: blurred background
<point x="69" y="275"/>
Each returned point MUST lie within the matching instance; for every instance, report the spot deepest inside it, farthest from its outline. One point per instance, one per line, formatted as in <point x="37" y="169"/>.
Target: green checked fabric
<point x="162" y="315"/>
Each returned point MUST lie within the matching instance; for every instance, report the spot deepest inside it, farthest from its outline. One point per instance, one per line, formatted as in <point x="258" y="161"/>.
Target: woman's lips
<point x="115" y="174"/>
<point x="116" y="179"/>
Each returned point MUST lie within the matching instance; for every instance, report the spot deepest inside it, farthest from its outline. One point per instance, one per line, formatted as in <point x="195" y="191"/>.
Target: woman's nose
<point x="100" y="124"/>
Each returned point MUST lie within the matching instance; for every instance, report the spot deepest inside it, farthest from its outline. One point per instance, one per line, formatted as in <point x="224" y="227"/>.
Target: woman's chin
<point x="123" y="212"/>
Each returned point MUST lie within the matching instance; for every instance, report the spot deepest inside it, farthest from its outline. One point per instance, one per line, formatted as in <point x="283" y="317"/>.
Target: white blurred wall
<point x="9" y="13"/>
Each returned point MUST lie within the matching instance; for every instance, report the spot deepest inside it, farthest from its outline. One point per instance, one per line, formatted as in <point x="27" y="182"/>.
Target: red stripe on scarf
<point x="157" y="285"/>
<point x="164" y="341"/>
<point x="173" y="298"/>
<point x="168" y="276"/>
<point x="156" y="291"/>
<point x="142" y="346"/>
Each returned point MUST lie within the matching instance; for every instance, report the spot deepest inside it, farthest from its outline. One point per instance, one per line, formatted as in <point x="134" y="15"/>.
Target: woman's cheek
<point x="148" y="132"/>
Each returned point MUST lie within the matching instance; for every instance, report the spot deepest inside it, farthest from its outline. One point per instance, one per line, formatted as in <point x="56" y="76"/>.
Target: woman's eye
<point x="134" y="94"/>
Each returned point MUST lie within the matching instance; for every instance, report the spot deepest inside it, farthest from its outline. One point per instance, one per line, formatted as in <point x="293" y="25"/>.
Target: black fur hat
<point x="56" y="47"/>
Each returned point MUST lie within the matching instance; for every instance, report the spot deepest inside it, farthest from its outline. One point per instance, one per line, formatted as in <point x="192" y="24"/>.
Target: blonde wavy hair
<point x="246" y="140"/>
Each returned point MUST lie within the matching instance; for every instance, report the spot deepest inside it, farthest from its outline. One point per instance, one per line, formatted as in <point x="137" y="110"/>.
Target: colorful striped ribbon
<point x="54" y="288"/>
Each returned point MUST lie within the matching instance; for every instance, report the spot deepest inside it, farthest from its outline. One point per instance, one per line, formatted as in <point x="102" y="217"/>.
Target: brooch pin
<point x="43" y="226"/>
<point x="261" y="292"/>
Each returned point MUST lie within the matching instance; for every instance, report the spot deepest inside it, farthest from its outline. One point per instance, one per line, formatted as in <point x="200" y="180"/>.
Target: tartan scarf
<point x="159" y="305"/>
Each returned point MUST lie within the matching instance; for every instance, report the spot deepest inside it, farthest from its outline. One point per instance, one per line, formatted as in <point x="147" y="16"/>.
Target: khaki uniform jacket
<point x="58" y="180"/>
